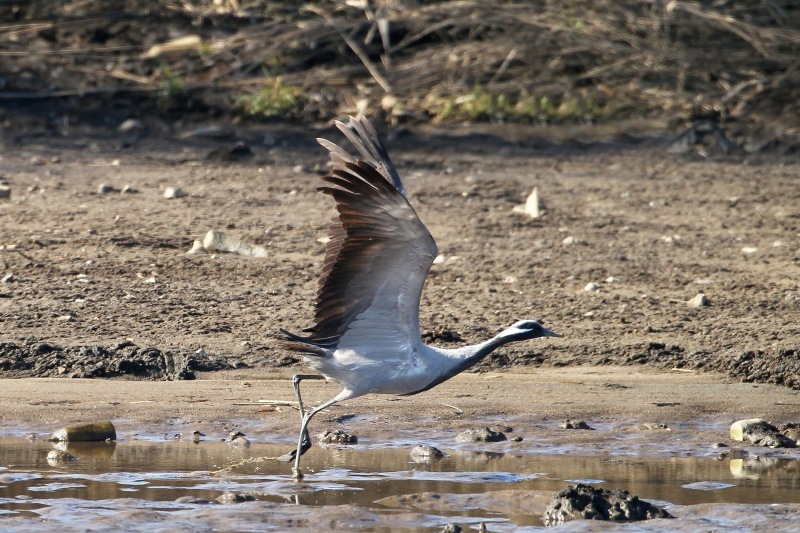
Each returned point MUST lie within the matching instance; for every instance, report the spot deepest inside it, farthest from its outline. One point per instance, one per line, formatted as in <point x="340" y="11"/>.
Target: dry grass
<point x="578" y="61"/>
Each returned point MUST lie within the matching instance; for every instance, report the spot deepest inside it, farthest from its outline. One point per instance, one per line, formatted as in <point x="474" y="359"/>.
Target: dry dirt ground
<point x="101" y="285"/>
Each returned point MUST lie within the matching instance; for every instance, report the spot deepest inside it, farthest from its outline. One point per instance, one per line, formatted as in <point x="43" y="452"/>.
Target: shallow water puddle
<point x="136" y="485"/>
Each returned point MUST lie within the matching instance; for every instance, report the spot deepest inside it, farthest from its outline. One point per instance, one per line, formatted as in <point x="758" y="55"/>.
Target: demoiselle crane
<point x="366" y="332"/>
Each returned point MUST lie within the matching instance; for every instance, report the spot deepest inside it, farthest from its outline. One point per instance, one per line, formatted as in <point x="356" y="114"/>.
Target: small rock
<point x="336" y="436"/>
<point x="105" y="188"/>
<point x="197" y="248"/>
<point x="451" y="528"/>
<point x="5" y="192"/>
<point x="700" y="300"/>
<point x="480" y="435"/>
<point x="575" y="424"/>
<point x="611" y="279"/>
<point x="96" y="432"/>
<point x="422" y="453"/>
<point x="531" y="205"/>
<point x="569" y="241"/>
<point x="208" y="132"/>
<point x="591" y="287"/>
<point x="130" y="125"/>
<point x="791" y="430"/>
<point x="749" y="250"/>
<point x="586" y="502"/>
<point x="238" y="439"/>
<point x="57" y="457"/>
<point x="8" y="278"/>
<point x="127" y="189"/>
<point x="193" y="500"/>
<point x="216" y="241"/>
<point x="174" y="192"/>
<point x="719" y="445"/>
<point x="235" y="497"/>
<point x="655" y="426"/>
<point x="760" y="433"/>
<point x="237" y="152"/>
<point x="517" y="439"/>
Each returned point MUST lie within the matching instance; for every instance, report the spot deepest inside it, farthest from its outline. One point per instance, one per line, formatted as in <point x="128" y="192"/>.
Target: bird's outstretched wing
<point x="378" y="255"/>
<point x="365" y="139"/>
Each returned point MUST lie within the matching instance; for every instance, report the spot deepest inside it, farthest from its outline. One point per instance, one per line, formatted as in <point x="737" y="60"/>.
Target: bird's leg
<point x="296" y="473"/>
<point x="305" y="439"/>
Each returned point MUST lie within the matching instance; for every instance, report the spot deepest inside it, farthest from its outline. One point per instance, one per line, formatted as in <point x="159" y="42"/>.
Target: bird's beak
<point x="548" y="333"/>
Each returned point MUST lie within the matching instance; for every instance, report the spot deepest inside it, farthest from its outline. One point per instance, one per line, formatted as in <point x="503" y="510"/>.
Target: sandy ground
<point x="611" y="398"/>
<point x="93" y="272"/>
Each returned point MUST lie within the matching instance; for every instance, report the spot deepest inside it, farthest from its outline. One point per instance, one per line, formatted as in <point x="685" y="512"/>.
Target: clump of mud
<point x="586" y="502"/>
<point x="124" y="359"/>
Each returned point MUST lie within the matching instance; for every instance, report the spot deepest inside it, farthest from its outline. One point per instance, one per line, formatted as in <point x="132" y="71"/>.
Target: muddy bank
<point x="103" y="281"/>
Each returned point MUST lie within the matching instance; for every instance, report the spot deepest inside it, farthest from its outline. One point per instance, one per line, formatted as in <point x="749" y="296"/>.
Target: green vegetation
<point x="173" y="84"/>
<point x="276" y="99"/>
<point x="482" y="105"/>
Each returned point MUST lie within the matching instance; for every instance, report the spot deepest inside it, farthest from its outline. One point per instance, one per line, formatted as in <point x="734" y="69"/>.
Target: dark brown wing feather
<point x="377" y="242"/>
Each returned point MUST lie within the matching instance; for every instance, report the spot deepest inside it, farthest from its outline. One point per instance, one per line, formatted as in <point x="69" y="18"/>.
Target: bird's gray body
<point x="366" y="334"/>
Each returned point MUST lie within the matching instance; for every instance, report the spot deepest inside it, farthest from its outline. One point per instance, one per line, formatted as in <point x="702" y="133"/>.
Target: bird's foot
<point x="297" y="474"/>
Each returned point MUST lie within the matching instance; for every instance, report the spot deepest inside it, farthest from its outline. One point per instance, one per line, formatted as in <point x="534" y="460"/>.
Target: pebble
<point x="194" y="500"/>
<point x="216" y="241"/>
<point x="197" y="248"/>
<point x="575" y="424"/>
<point x="422" y="453"/>
<point x="238" y="439"/>
<point x="5" y="192"/>
<point x="591" y="287"/>
<point x="655" y="426"/>
<point x="480" y="435"/>
<point x="57" y="457"/>
<point x="127" y="189"/>
<point x="174" y="192"/>
<point x="749" y="250"/>
<point x="131" y="124"/>
<point x="531" y="205"/>
<point x="336" y="436"/>
<point x="105" y="188"/>
<point x="700" y="300"/>
<point x="235" y="497"/>
<point x="8" y="278"/>
<point x="452" y="528"/>
<point x="569" y="241"/>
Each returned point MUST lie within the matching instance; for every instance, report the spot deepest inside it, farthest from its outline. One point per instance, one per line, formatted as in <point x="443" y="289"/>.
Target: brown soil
<point x="664" y="226"/>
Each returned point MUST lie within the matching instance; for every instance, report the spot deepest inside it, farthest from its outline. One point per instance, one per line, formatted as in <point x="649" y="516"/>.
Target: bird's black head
<point x="526" y="329"/>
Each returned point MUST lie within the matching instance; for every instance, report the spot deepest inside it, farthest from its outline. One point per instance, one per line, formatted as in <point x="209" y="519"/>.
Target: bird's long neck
<point x="452" y="362"/>
<point x="475" y="353"/>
